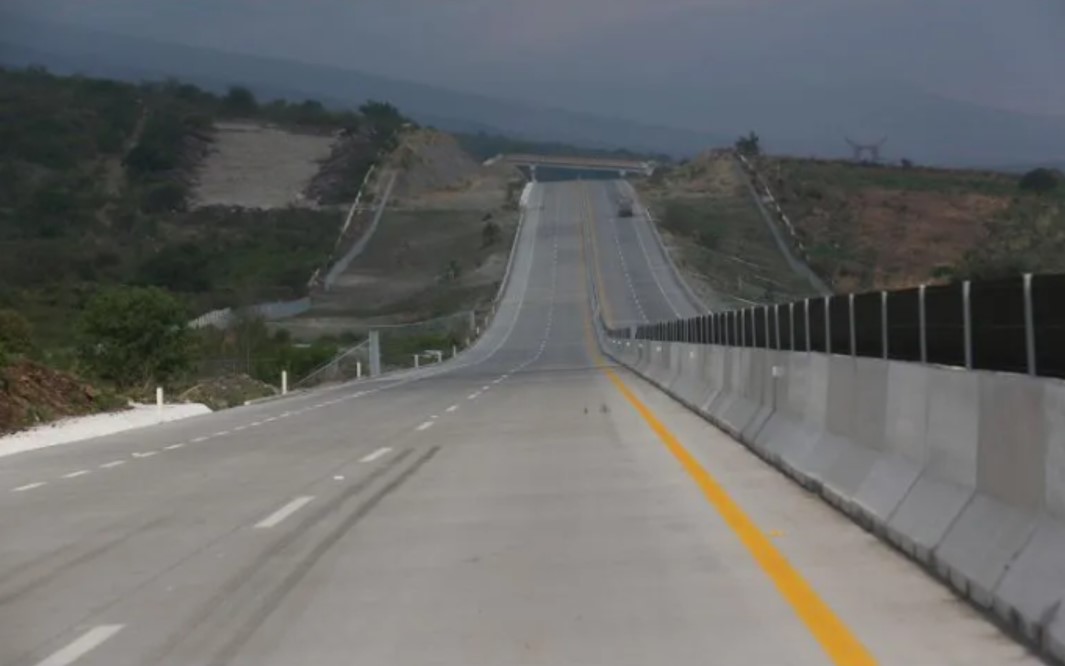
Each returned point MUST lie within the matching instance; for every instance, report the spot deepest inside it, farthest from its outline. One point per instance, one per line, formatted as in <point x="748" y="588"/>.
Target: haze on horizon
<point x="801" y="73"/>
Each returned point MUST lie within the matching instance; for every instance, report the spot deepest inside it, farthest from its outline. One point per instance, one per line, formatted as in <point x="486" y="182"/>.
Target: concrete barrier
<point x="962" y="470"/>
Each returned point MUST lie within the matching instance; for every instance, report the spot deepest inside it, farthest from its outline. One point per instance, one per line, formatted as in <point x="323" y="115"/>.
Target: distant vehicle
<point x="625" y="208"/>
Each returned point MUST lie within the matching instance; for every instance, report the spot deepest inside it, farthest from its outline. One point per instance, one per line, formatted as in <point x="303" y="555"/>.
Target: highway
<point x="527" y="503"/>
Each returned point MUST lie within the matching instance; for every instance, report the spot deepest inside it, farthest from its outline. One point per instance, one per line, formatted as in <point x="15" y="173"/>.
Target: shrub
<point x="490" y="234"/>
<point x="135" y="335"/>
<point x="16" y="334"/>
<point x="1041" y="181"/>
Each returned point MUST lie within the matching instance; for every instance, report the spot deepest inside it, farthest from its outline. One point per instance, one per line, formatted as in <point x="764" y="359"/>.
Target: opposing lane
<point x="536" y="519"/>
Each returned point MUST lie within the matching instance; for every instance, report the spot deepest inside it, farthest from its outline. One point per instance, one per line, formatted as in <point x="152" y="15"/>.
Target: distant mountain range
<point x="792" y="114"/>
<point x="65" y="49"/>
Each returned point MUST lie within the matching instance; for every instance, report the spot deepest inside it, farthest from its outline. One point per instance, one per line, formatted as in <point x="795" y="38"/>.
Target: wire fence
<point x="1010" y="325"/>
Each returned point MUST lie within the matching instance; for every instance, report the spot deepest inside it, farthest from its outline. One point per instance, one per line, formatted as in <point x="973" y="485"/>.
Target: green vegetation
<point x="248" y="347"/>
<point x="1041" y="181"/>
<point x="94" y="191"/>
<point x="749" y="145"/>
<point x="133" y="336"/>
<point x="728" y="245"/>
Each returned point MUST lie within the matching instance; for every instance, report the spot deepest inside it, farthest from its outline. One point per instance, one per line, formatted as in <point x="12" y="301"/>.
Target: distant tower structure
<point x="862" y="149"/>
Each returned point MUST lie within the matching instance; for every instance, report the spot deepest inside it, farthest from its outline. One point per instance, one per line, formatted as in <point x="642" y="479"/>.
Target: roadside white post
<point x="415" y="361"/>
<point x="454" y="351"/>
<point x="159" y="402"/>
<point x="284" y="382"/>
<point x="358" y="369"/>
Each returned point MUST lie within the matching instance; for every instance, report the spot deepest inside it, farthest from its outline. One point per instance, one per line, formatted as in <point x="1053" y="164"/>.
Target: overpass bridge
<point x="528" y="502"/>
<point x="622" y="167"/>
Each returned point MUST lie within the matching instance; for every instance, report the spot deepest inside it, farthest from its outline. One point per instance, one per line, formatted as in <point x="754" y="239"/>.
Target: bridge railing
<point x="1012" y="325"/>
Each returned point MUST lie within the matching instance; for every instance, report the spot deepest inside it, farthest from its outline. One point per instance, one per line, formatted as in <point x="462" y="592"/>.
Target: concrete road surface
<point x="522" y="505"/>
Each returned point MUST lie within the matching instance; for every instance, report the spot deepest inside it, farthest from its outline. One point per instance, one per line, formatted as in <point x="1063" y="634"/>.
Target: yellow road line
<point x="834" y="636"/>
<point x="588" y="224"/>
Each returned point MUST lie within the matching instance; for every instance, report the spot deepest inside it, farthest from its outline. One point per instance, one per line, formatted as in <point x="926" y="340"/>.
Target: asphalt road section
<point x="524" y="504"/>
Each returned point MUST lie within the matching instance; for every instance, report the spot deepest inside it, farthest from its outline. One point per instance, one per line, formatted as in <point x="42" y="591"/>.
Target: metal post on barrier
<point x="375" y="353"/>
<point x="776" y="322"/>
<point x="850" y="305"/>
<point x="743" y="327"/>
<point x="791" y="326"/>
<point x="883" y="324"/>
<point x="828" y="325"/>
<point x="806" y="319"/>
<point x="1029" y="324"/>
<point x="967" y="317"/>
<point x="921" y="323"/>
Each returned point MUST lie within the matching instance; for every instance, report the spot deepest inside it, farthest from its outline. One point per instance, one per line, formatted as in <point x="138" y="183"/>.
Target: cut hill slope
<point x="441" y="246"/>
<point x="252" y="165"/>
<point x="31" y="393"/>
<point x="717" y="235"/>
<point x="882" y="226"/>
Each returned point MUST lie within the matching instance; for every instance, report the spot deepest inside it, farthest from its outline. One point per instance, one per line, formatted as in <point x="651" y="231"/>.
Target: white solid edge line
<point x="113" y="463"/>
<point x="74" y="475"/>
<point x="451" y="408"/>
<point x="284" y="512"/>
<point x="28" y="486"/>
<point x="383" y="451"/>
<point x="81" y="646"/>
<point x="425" y="425"/>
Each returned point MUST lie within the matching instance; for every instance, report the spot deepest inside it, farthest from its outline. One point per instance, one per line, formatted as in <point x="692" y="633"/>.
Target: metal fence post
<point x="1029" y="324"/>
<point x="776" y="323"/>
<point x="850" y="305"/>
<point x="828" y="324"/>
<point x="921" y="324"/>
<point x="791" y="326"/>
<point x="806" y="319"/>
<point x="967" y="317"/>
<point x="883" y="323"/>
<point x="743" y="328"/>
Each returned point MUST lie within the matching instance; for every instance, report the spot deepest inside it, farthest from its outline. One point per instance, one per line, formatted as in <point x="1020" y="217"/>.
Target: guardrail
<point x="1010" y="325"/>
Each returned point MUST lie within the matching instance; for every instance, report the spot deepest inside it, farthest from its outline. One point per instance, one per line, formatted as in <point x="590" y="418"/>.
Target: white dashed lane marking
<point x="113" y="463"/>
<point x="88" y="642"/>
<point x="383" y="451"/>
<point x="172" y="447"/>
<point x="74" y="475"/>
<point x="28" y="486"/>
<point x="145" y="454"/>
<point x="452" y="408"/>
<point x="473" y="395"/>
<point x="284" y="512"/>
<point x="425" y="425"/>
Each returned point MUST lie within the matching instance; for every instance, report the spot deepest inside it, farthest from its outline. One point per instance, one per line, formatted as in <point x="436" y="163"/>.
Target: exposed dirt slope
<point x="31" y="393"/>
<point x="255" y="165"/>
<point x="872" y="227"/>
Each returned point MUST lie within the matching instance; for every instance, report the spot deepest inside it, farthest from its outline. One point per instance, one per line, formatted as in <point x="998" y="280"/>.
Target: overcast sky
<point x="670" y="61"/>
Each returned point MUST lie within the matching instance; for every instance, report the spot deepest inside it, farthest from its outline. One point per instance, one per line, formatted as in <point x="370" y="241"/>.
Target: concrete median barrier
<point x="964" y="471"/>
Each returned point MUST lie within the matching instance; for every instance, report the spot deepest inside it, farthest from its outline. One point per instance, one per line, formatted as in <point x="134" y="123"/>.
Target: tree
<point x="749" y="145"/>
<point x="240" y="100"/>
<point x="490" y="234"/>
<point x="16" y="334"/>
<point x="135" y="336"/>
<point x="1041" y="181"/>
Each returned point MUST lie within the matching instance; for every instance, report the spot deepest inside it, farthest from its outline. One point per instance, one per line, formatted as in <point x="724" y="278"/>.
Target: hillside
<point x="103" y="182"/>
<point x="441" y="247"/>
<point x="886" y="226"/>
<point x="716" y="234"/>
